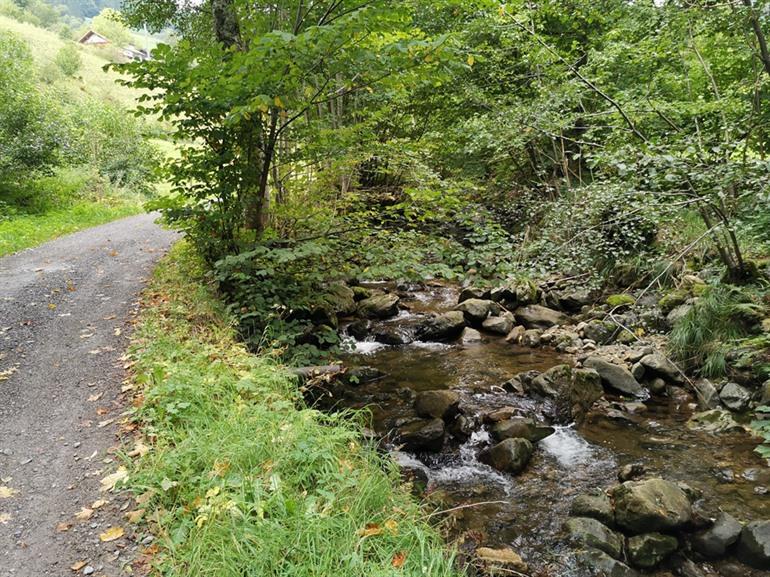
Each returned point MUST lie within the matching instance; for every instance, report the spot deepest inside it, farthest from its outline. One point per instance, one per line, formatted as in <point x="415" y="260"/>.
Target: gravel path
<point x="65" y="311"/>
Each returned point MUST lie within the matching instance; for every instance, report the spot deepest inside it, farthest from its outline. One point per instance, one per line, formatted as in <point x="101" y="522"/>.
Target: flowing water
<point x="527" y="511"/>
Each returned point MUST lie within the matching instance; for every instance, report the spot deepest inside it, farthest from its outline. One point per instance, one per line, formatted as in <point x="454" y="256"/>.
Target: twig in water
<point x="470" y="505"/>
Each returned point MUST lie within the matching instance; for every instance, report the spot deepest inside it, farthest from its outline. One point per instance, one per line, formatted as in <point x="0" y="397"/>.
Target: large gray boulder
<point x="510" y="455"/>
<point x="392" y="335"/>
<point x="379" y="307"/>
<point x="596" y="505"/>
<point x="443" y="327"/>
<point x="735" y="397"/>
<point x="540" y="317"/>
<point x="600" y="564"/>
<point x="442" y="404"/>
<point x="706" y="394"/>
<point x="422" y="435"/>
<point x="649" y="550"/>
<point x="592" y="533"/>
<point x="650" y="505"/>
<point x="501" y="325"/>
<point x="658" y="365"/>
<point x="521" y="428"/>
<point x="615" y="376"/>
<point x="754" y="545"/>
<point x="601" y="332"/>
<point x="714" y="541"/>
<point x="477" y="310"/>
<point x="341" y="299"/>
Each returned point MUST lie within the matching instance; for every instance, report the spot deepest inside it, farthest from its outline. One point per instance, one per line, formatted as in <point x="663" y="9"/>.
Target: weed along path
<point x="65" y="309"/>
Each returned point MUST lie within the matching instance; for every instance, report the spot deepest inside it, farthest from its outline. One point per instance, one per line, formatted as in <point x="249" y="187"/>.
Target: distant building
<point x="135" y="54"/>
<point x="92" y="38"/>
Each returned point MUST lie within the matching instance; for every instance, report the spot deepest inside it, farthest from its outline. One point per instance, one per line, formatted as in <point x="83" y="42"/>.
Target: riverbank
<point x="234" y="475"/>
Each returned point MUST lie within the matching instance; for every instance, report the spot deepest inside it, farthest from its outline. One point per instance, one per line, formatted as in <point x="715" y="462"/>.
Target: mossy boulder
<point x="649" y="550"/>
<point x="592" y="533"/>
<point x="673" y="299"/>
<point x="651" y="505"/>
<point x="620" y="300"/>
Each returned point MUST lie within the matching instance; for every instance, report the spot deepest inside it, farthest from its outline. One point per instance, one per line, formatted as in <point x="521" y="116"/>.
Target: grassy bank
<point x="242" y="479"/>
<point x="30" y="230"/>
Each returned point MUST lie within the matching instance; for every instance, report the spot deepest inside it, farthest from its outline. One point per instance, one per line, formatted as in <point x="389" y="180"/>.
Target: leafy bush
<point x="702" y="339"/>
<point x="68" y="59"/>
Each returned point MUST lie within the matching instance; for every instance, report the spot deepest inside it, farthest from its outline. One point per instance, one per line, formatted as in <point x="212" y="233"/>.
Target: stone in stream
<point x="706" y="394"/>
<point x="360" y="329"/>
<point x="650" y="505"/>
<point x="540" y="317"/>
<point x="649" y="550"/>
<point x="510" y="455"/>
<point x="501" y="325"/>
<point x="412" y="470"/>
<point x="422" y="435"/>
<point x="601" y="332"/>
<point x="631" y="471"/>
<point x="658" y="365"/>
<point x="470" y="336"/>
<point x="500" y="561"/>
<point x="592" y="533"/>
<point x="516" y="335"/>
<point x="379" y="307"/>
<point x="473" y="293"/>
<point x="443" y="327"/>
<point x="599" y="563"/>
<point x="596" y="505"/>
<point x="735" y="397"/>
<point x="361" y="293"/>
<point x="391" y="335"/>
<point x="531" y="338"/>
<point x="341" y="299"/>
<point x="441" y="404"/>
<point x="521" y="428"/>
<point x="477" y="310"/>
<point x="714" y="421"/>
<point x="617" y="377"/>
<point x="754" y="545"/>
<point x="714" y="541"/>
<point x="463" y="426"/>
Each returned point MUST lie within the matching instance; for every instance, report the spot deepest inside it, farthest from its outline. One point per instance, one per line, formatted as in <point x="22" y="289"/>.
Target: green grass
<point x="242" y="479"/>
<point x="91" y="79"/>
<point x="26" y="231"/>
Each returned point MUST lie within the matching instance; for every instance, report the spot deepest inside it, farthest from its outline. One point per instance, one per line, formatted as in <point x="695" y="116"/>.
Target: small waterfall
<point x="470" y="469"/>
<point x="568" y="448"/>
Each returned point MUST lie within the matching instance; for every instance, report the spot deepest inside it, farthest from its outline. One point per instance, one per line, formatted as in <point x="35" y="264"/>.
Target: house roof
<point x="92" y="37"/>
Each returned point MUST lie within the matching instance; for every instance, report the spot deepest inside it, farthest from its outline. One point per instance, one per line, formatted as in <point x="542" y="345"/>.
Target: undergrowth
<point x="703" y="338"/>
<point x="243" y="479"/>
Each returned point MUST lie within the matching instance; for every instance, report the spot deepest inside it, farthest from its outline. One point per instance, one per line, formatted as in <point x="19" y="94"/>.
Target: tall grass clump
<point x="243" y="479"/>
<point x="702" y="338"/>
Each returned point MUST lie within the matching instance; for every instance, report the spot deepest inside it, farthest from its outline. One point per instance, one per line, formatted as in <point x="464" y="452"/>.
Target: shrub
<point x="68" y="59"/>
<point x="702" y="339"/>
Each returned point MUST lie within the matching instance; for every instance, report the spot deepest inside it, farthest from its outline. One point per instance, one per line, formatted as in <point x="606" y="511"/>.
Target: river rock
<point x="600" y="564"/>
<point x="735" y="397"/>
<point x="501" y="325"/>
<point x="540" y="317"/>
<point x="650" y="505"/>
<point x="550" y="382"/>
<point x="391" y="335"/>
<point x="470" y="336"/>
<point x="579" y="395"/>
<point x="574" y="300"/>
<point x="637" y="370"/>
<point x="463" y="426"/>
<point x="592" y="533"/>
<point x="500" y="561"/>
<point x="510" y="455"/>
<point x="473" y="293"/>
<point x="765" y="393"/>
<point x="521" y="428"/>
<point x="677" y="314"/>
<point x="658" y="365"/>
<point x="754" y="545"/>
<point x="360" y="293"/>
<point x="631" y="471"/>
<point x="714" y="421"/>
<point x="422" y="435"/>
<point x="601" y="332"/>
<point x="360" y="329"/>
<point x="516" y="335"/>
<point x="379" y="307"/>
<point x="595" y="505"/>
<point x="706" y="394"/>
<point x="441" y="404"/>
<point x="477" y="310"/>
<point x="615" y="376"/>
<point x="341" y="299"/>
<point x="649" y="550"/>
<point x="502" y="414"/>
<point x="714" y="541"/>
<point x="531" y="338"/>
<point x="442" y="327"/>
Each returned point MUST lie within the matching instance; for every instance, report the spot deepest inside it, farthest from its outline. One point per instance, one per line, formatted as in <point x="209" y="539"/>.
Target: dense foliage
<point x="326" y="140"/>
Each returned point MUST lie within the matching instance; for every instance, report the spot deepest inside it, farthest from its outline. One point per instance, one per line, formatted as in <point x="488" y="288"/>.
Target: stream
<point x="527" y="512"/>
